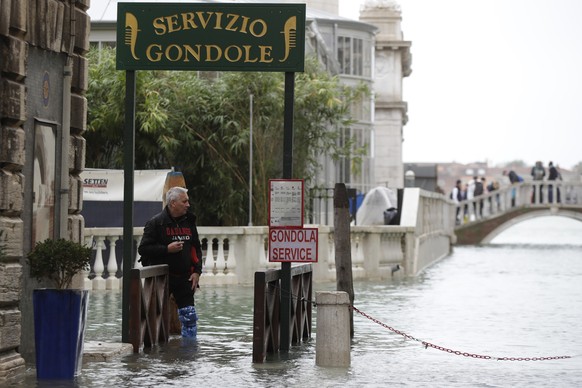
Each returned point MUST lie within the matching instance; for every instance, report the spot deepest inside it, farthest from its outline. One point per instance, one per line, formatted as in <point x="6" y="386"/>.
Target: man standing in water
<point x="171" y="237"/>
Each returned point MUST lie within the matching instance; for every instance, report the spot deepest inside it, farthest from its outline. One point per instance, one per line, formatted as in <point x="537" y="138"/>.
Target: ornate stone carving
<point x="374" y="4"/>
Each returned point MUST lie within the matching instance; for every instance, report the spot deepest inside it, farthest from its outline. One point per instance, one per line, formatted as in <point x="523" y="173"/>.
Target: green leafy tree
<point x="201" y="126"/>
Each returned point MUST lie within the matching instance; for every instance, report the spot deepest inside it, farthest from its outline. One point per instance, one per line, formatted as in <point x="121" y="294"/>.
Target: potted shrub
<point x="60" y="312"/>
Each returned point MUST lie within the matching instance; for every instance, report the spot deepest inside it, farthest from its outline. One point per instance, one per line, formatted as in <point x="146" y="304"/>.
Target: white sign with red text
<point x="293" y="245"/>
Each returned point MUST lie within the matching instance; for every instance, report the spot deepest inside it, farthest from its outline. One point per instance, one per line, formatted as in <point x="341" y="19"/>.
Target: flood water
<point x="520" y="297"/>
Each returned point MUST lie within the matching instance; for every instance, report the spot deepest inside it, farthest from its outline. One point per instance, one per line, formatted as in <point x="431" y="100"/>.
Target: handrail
<point x="149" y="314"/>
<point x="550" y="194"/>
<point x="267" y="301"/>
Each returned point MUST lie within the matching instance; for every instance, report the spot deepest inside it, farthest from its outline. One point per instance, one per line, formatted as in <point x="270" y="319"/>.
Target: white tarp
<point x="376" y="201"/>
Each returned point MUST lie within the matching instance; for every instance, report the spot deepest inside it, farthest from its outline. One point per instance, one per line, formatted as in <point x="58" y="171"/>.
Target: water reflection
<point x="104" y="319"/>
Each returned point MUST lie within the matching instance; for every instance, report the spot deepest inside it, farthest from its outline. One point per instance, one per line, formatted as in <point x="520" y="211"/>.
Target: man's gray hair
<point x="174" y="193"/>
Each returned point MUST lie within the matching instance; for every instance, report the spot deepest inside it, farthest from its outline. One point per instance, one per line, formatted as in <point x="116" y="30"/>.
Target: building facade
<point x="392" y="62"/>
<point x="43" y="78"/>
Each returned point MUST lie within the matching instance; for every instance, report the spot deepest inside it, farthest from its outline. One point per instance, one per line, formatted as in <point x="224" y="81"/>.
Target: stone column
<point x="333" y="341"/>
<point x="392" y="63"/>
<point x="12" y="148"/>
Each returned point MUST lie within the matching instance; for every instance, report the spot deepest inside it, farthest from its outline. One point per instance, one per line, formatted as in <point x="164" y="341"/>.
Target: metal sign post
<point x="289" y="241"/>
<point x="128" y="170"/>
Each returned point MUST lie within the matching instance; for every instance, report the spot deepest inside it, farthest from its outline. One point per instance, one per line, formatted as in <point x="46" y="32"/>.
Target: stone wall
<point x="56" y="32"/>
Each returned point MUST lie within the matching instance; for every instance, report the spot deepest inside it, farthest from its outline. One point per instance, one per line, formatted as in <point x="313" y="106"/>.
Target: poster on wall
<point x="44" y="176"/>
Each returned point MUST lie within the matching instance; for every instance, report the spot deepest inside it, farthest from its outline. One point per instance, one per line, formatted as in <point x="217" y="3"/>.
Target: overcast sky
<point x="492" y="80"/>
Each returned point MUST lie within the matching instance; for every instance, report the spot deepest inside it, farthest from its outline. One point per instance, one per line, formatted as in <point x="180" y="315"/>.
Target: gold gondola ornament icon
<point x="290" y="35"/>
<point x="131" y="30"/>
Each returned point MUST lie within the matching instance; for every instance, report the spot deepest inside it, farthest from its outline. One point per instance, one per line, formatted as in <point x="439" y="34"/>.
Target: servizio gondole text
<point x="241" y="24"/>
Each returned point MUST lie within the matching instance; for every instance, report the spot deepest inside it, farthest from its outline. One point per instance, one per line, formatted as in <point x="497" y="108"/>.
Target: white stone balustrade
<point x="234" y="254"/>
<point x="98" y="266"/>
<point x="424" y="236"/>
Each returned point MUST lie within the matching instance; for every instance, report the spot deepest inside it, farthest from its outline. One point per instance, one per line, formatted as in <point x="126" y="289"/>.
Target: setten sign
<point x="293" y="245"/>
<point x="207" y="36"/>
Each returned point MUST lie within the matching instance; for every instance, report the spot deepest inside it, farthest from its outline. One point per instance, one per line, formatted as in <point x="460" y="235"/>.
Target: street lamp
<point x="409" y="177"/>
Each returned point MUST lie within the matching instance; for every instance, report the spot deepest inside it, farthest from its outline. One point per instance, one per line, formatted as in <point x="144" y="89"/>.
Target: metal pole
<point x="128" y="171"/>
<point x="287" y="174"/>
<point x="251" y="162"/>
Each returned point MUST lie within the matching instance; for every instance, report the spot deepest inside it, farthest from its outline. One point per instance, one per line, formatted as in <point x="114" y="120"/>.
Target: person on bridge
<point x="457" y="197"/>
<point x="478" y="192"/>
<point x="470" y="195"/>
<point x="494" y="186"/>
<point x="513" y="179"/>
<point x="171" y="237"/>
<point x="538" y="173"/>
<point x="553" y="175"/>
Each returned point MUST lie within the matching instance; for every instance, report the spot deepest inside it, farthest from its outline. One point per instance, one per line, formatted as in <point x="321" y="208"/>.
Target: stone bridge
<point x="481" y="219"/>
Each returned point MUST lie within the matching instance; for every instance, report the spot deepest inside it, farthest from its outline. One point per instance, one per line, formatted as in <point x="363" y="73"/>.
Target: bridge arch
<point x="528" y="216"/>
<point x="484" y="231"/>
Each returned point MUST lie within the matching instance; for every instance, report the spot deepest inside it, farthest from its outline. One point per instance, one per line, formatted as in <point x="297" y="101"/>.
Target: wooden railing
<point x="149" y="314"/>
<point x="266" y="319"/>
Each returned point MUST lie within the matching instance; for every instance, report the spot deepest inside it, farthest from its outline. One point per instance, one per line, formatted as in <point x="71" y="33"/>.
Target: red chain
<point x="457" y="352"/>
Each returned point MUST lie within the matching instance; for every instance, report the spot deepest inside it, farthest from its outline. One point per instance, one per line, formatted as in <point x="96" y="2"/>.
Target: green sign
<point x="207" y="36"/>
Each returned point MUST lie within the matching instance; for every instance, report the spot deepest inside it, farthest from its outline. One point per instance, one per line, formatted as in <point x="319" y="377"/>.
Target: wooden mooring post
<point x="343" y="247"/>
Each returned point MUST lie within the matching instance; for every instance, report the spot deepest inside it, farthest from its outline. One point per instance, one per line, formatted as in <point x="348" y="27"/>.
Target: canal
<point x="518" y="298"/>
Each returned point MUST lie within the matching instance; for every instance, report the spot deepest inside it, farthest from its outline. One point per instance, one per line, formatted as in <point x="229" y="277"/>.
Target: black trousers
<point x="181" y="288"/>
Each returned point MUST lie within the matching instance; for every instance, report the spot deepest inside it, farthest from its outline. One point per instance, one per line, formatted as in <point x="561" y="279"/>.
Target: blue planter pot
<point x="59" y="332"/>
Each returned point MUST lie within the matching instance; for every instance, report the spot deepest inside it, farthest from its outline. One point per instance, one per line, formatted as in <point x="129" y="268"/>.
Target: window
<point x="361" y="109"/>
<point x="355" y="171"/>
<point x="344" y="54"/>
<point x="343" y="170"/>
<point x="354" y="56"/>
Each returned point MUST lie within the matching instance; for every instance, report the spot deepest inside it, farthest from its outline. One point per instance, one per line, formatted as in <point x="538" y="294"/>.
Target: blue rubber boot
<point x="188" y="317"/>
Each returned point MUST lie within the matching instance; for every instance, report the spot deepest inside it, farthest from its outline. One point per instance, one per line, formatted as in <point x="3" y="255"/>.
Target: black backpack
<point x="478" y="188"/>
